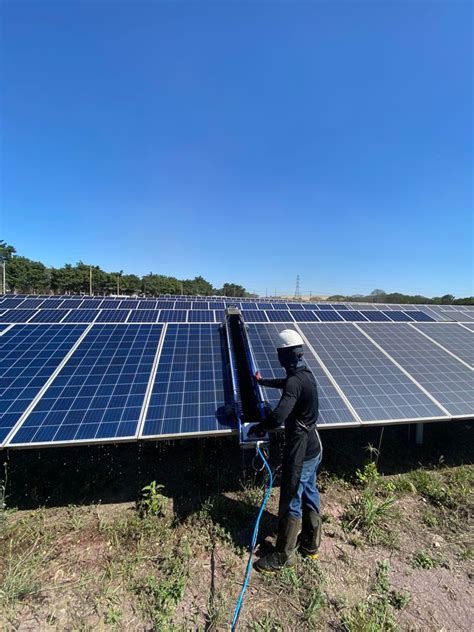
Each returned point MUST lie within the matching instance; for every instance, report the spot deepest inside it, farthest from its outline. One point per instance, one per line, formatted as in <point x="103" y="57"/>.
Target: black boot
<point x="310" y="537"/>
<point x="284" y="553"/>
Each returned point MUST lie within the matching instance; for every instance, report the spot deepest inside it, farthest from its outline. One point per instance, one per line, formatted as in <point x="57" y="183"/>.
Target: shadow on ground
<point x="194" y="471"/>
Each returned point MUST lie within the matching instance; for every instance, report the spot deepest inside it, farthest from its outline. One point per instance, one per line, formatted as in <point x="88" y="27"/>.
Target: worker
<point x="299" y="506"/>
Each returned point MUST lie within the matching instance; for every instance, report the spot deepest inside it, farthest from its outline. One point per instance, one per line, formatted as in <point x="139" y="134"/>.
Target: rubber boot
<point x="284" y="553"/>
<point x="310" y="538"/>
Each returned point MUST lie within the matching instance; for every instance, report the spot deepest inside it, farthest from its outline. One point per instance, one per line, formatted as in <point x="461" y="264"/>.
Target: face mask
<point x="289" y="357"/>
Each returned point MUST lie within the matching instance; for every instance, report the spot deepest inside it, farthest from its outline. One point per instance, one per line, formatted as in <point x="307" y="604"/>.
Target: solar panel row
<point x="367" y="373"/>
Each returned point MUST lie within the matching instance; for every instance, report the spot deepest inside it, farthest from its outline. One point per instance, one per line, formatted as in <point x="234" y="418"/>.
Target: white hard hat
<point x="289" y="338"/>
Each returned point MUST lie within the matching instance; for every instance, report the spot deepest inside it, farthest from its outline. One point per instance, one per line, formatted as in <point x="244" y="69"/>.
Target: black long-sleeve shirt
<point x="298" y="408"/>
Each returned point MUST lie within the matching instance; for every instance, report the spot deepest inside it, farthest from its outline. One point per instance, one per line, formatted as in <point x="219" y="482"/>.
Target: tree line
<point x="25" y="276"/>
<point x="379" y="296"/>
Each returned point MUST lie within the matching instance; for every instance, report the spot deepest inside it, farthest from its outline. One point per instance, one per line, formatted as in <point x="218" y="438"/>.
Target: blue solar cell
<point x="201" y="316"/>
<point x="49" y="316"/>
<point x="332" y="408"/>
<point x="338" y="306"/>
<point x="324" y="306"/>
<point x="303" y="315"/>
<point x="397" y="315"/>
<point x="143" y="316"/>
<point x="17" y="315"/>
<point x="172" y="316"/>
<point x="352" y="315"/>
<point x="329" y="315"/>
<point x="449" y="381"/>
<point x="376" y="388"/>
<point x="191" y="386"/>
<point x="217" y="305"/>
<point x="279" y="316"/>
<point x="263" y="305"/>
<point x="112" y="316"/>
<point x="254" y="315"/>
<point x="30" y="354"/>
<point x="311" y="306"/>
<point x="374" y="315"/>
<point x="52" y="303"/>
<point x="199" y="305"/>
<point x="98" y="395"/>
<point x="148" y="304"/>
<point x="81" y="316"/>
<point x="72" y="303"/>
<point x="420" y="316"/>
<point x="182" y="305"/>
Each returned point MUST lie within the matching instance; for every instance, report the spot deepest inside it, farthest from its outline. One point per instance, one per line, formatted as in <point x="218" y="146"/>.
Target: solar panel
<point x="265" y="305"/>
<point x="449" y="381"/>
<point x="332" y="408"/>
<point x="352" y="315"/>
<point x="129" y="303"/>
<point x="325" y="306"/>
<point x="148" y="304"/>
<point x="98" y="394"/>
<point x="310" y="306"/>
<point x="217" y="305"/>
<point x="81" y="316"/>
<point x="49" y="316"/>
<point x="17" y="315"/>
<point x="279" y="316"/>
<point x="303" y="315"/>
<point x="398" y="316"/>
<point x="420" y="316"/>
<point x="73" y="303"/>
<point x="30" y="354"/>
<point x="374" y="315"/>
<point x="172" y="316"/>
<point x="329" y="315"/>
<point x="109" y="303"/>
<point x="191" y="386"/>
<point x="11" y="302"/>
<point x="199" y="305"/>
<point x="89" y="303"/>
<point x="201" y="316"/>
<point x="338" y="306"/>
<point x="469" y="326"/>
<point x="452" y="337"/>
<point x="143" y="316"/>
<point x="461" y="316"/>
<point x="112" y="316"/>
<point x="182" y="305"/>
<point x="52" y="303"/>
<point x="377" y="389"/>
<point x="31" y="303"/>
<point x="254" y="315"/>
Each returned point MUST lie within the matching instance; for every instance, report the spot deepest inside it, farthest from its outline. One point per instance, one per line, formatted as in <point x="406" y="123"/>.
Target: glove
<point x="258" y="377"/>
<point x="258" y="430"/>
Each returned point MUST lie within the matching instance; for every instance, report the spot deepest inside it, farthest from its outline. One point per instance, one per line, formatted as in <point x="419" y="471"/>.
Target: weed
<point x="374" y="613"/>
<point x="20" y="577"/>
<point x="368" y="475"/>
<point x="251" y="494"/>
<point x="112" y="616"/>
<point x="400" y="599"/>
<point x="430" y="520"/>
<point x="367" y="514"/>
<point x="266" y="624"/>
<point x="3" y="493"/>
<point x="421" y="559"/>
<point x="152" y="503"/>
<point x="159" y="597"/>
<point x="467" y="553"/>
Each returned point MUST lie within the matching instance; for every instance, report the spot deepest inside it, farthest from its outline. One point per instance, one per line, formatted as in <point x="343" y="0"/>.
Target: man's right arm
<point x="278" y="382"/>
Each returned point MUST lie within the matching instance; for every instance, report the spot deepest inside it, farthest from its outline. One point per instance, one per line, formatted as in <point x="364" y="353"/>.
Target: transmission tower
<point x="297" y="289"/>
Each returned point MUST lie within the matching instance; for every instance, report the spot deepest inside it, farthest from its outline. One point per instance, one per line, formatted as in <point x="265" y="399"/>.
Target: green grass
<point x="422" y="559"/>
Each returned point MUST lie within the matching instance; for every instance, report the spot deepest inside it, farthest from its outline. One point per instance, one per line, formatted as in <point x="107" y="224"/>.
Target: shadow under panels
<point x="378" y="390"/>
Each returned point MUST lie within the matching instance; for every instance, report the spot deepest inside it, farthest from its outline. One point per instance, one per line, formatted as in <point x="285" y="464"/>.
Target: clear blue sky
<point x="243" y="141"/>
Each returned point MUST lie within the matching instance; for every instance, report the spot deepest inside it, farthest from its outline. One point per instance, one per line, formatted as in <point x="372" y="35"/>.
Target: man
<point x="299" y="505"/>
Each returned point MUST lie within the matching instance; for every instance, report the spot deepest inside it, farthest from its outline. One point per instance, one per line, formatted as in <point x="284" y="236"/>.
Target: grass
<point x="375" y="612"/>
<point x="422" y="559"/>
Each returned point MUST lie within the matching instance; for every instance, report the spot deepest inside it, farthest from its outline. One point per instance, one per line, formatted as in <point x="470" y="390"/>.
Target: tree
<point x="27" y="276"/>
<point x="232" y="289"/>
<point x="6" y="251"/>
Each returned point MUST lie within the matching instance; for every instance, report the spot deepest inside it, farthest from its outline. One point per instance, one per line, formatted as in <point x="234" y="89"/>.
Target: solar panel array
<point x="94" y="369"/>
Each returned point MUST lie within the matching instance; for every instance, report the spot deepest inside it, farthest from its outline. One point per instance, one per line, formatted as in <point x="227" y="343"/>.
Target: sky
<point x="246" y="142"/>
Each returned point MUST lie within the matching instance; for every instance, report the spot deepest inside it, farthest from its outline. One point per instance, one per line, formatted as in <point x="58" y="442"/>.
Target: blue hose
<point x="238" y="605"/>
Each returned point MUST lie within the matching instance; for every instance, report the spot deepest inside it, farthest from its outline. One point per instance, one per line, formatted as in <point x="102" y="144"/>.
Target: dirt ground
<point x="84" y="548"/>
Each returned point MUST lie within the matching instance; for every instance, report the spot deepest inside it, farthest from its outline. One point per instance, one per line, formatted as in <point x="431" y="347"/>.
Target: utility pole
<point x="4" y="278"/>
<point x="90" y="280"/>
<point x="118" y="285"/>
<point x="182" y="289"/>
